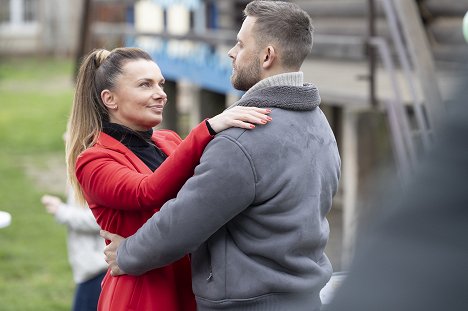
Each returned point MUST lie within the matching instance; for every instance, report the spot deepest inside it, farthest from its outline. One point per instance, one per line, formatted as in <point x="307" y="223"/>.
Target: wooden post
<point x="350" y="181"/>
<point x="421" y="56"/>
<point x="84" y="35"/>
<point x="371" y="53"/>
<point x="188" y="106"/>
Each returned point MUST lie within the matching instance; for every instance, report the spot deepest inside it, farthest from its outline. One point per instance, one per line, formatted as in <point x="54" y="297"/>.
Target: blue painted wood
<point x="196" y="62"/>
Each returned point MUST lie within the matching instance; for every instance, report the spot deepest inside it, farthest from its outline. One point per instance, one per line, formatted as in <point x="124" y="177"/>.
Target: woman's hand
<point x="238" y="116"/>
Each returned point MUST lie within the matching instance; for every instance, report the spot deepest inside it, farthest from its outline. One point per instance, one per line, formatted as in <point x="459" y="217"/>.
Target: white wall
<point x="55" y="31"/>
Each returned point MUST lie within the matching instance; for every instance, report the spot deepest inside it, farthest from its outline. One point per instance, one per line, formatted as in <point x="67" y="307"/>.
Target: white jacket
<point x="85" y="246"/>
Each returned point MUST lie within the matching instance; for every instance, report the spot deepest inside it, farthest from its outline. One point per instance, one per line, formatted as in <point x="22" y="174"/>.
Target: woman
<point x="121" y="167"/>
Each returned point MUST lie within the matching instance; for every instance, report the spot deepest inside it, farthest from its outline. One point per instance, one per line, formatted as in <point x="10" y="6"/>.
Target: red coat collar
<point x="108" y="142"/>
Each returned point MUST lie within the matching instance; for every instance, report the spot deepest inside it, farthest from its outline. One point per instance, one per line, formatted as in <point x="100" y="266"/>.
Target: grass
<point x="35" y="98"/>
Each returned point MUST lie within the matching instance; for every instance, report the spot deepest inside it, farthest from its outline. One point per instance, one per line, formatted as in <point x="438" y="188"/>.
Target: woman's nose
<point x="160" y="94"/>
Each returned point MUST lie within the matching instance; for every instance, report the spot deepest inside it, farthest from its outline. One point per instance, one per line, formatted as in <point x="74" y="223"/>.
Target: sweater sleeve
<point x="107" y="180"/>
<point x="77" y="218"/>
<point x="222" y="187"/>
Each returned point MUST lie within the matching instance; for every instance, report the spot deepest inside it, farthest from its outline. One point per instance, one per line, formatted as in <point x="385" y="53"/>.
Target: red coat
<point x="123" y="193"/>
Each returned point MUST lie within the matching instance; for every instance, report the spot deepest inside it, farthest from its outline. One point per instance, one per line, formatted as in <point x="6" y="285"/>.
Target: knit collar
<point x="127" y="136"/>
<point x="288" y="78"/>
<point x="285" y="91"/>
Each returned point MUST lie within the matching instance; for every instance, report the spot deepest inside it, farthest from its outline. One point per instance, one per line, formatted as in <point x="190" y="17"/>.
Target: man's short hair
<point x="285" y="24"/>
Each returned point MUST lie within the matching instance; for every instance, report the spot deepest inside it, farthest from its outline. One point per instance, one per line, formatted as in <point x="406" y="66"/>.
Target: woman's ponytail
<point x="86" y="116"/>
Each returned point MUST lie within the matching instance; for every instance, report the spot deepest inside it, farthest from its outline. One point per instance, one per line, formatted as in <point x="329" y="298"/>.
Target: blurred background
<point x="386" y="70"/>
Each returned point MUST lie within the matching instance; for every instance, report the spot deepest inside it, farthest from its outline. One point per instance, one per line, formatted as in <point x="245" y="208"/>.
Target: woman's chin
<point x="156" y="122"/>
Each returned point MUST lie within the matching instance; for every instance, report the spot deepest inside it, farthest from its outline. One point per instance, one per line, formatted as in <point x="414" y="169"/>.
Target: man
<point x="253" y="214"/>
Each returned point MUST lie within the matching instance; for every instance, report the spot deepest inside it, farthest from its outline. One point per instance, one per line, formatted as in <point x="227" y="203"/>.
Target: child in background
<point x="85" y="249"/>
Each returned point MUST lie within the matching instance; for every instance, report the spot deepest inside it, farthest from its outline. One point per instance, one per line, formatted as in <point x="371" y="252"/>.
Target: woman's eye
<point x="145" y="84"/>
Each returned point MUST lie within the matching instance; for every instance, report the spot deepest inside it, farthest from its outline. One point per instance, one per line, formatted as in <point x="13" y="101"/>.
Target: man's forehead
<point x="246" y="28"/>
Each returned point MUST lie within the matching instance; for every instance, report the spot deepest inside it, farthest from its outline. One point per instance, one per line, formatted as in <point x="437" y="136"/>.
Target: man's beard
<point x="244" y="78"/>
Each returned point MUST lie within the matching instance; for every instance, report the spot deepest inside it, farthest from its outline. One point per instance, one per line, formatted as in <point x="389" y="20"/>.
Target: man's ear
<point x="269" y="57"/>
<point x="108" y="98"/>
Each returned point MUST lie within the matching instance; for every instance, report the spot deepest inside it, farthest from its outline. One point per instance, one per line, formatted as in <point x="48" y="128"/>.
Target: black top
<point x="139" y="143"/>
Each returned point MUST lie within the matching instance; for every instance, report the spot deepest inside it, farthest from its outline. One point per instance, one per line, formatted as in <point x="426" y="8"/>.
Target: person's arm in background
<point x="76" y="218"/>
<point x="222" y="187"/>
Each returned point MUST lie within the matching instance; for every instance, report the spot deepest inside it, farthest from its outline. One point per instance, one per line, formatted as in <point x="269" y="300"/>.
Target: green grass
<point x="35" y="98"/>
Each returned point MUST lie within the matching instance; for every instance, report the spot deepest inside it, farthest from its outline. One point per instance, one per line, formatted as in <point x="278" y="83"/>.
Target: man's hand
<point x="111" y="251"/>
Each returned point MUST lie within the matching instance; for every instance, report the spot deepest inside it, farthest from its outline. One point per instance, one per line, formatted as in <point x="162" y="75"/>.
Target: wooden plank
<point x="452" y="54"/>
<point x="446" y="7"/>
<point x="350" y="183"/>
<point x="83" y="42"/>
<point x="347" y="26"/>
<point x="339" y="47"/>
<point x="447" y="30"/>
<point x="209" y="36"/>
<point x="336" y="8"/>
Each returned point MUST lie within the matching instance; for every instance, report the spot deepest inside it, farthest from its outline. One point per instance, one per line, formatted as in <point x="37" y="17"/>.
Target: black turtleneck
<point x="139" y="143"/>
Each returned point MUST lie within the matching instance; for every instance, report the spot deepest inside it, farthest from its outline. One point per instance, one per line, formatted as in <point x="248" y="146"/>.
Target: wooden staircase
<point x="342" y="27"/>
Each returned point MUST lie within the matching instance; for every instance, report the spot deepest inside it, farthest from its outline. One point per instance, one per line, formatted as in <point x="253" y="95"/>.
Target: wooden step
<point x="348" y="26"/>
<point x="338" y="52"/>
<point x="447" y="30"/>
<point x="446" y="7"/>
<point x="325" y="8"/>
<point x="344" y="37"/>
<point x="452" y="53"/>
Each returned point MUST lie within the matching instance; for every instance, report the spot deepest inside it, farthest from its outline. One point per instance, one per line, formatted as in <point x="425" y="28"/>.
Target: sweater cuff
<point x="210" y="129"/>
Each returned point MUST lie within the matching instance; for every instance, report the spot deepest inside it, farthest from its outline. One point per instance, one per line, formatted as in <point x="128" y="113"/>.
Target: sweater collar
<point x="289" y="78"/>
<point x="285" y="91"/>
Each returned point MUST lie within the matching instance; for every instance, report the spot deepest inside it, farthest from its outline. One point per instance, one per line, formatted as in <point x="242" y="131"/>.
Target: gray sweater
<point x="253" y="214"/>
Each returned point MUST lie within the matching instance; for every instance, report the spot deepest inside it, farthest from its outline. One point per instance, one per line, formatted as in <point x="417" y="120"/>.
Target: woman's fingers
<point x="242" y="124"/>
<point x="260" y="112"/>
<point x="242" y="117"/>
<point x="251" y="115"/>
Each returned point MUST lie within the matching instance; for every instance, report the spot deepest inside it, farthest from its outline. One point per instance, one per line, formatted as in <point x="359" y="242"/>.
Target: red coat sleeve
<point x="108" y="178"/>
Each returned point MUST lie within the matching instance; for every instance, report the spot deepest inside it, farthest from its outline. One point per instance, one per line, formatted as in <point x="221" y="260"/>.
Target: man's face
<point x="246" y="65"/>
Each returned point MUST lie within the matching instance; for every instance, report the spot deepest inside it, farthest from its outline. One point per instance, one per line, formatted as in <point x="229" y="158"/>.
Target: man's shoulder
<point x="253" y="141"/>
<point x="233" y="133"/>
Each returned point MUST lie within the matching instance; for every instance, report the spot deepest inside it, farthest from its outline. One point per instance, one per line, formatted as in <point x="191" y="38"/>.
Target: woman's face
<point x="138" y="98"/>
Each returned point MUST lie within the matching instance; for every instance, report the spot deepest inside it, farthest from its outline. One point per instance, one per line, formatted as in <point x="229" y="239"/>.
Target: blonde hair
<point x="99" y="71"/>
